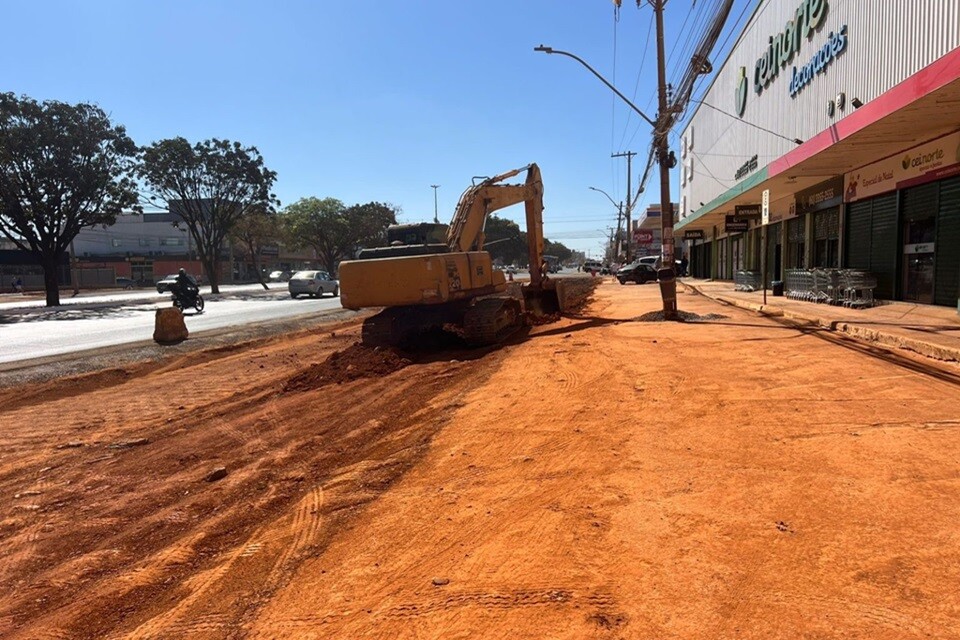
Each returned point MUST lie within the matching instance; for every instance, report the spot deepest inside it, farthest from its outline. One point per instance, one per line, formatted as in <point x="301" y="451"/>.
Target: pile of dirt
<point x="353" y="363"/>
<point x="534" y="319"/>
<point x="682" y="316"/>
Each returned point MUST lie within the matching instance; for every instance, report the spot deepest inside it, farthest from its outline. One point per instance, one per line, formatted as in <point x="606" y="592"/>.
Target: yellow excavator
<point x="435" y="276"/>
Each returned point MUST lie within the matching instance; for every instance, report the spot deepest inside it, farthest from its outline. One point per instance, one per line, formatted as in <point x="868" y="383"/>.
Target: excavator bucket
<point x="543" y="300"/>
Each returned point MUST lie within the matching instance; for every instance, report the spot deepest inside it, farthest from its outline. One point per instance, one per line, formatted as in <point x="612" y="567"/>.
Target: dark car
<point x="126" y="283"/>
<point x="638" y="272"/>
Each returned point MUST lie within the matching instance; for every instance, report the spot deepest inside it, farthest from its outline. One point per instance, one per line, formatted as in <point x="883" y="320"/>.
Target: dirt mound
<point x="533" y="319"/>
<point x="353" y="363"/>
<point x="682" y="316"/>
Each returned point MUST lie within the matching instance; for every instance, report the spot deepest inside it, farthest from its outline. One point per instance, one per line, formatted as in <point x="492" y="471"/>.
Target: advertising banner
<point x="931" y="161"/>
<point x="643" y="236"/>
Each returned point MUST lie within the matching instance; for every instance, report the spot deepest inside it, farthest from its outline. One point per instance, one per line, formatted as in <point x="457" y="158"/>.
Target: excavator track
<point x="492" y="320"/>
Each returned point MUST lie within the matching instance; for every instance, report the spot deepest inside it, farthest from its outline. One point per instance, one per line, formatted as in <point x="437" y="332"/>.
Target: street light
<point x="619" y="207"/>
<point x="435" y="218"/>
<point x="602" y="79"/>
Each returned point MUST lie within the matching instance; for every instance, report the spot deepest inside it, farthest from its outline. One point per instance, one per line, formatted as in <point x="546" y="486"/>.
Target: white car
<point x="312" y="283"/>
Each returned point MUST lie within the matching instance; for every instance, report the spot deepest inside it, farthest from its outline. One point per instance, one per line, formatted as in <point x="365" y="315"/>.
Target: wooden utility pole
<point x="629" y="156"/>
<point x="667" y="274"/>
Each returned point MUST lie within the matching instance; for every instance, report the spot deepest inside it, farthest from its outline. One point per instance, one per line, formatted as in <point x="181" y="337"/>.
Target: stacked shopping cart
<point x="746" y="281"/>
<point x="847" y="287"/>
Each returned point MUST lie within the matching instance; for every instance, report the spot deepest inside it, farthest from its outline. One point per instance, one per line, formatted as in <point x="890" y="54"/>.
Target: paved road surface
<point x="28" y="333"/>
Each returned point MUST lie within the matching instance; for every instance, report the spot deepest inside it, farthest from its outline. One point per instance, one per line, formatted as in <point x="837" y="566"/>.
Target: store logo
<point x="784" y="46"/>
<point x="922" y="159"/>
<point x="742" y="92"/>
<point x="836" y="44"/>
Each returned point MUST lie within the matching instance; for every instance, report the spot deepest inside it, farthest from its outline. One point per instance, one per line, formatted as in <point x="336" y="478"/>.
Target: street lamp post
<point x="619" y="207"/>
<point x="435" y="187"/>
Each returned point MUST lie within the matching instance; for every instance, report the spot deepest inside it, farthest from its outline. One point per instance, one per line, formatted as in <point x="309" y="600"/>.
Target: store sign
<point x="785" y="45"/>
<point x="643" y="236"/>
<point x="746" y="167"/>
<point x="733" y="224"/>
<point x="924" y="163"/>
<point x="693" y="234"/>
<point x="820" y="196"/>
<point x="836" y="44"/>
<point x="747" y="211"/>
<point x="765" y="208"/>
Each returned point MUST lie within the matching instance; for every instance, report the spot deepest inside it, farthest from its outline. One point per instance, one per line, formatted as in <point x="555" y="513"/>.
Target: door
<point x="918" y="264"/>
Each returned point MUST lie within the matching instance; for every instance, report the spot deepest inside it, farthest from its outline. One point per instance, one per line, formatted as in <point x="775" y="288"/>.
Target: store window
<point x="826" y="234"/>
<point x="171" y="242"/>
<point x="115" y="242"/>
<point x="144" y="242"/>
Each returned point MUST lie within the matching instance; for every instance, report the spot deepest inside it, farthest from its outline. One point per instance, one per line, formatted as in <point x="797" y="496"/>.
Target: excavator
<point x="434" y="276"/>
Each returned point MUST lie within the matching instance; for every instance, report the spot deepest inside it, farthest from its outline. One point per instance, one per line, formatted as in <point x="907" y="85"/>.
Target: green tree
<point x="211" y="185"/>
<point x="505" y="241"/>
<point x="255" y="231"/>
<point x="557" y="249"/>
<point x="335" y="232"/>
<point x="63" y="167"/>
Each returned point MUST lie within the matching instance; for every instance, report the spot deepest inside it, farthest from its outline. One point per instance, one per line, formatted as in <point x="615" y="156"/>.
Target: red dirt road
<point x="603" y="478"/>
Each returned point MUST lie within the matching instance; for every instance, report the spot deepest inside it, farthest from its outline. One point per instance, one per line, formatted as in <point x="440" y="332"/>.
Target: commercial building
<point x="646" y="232"/>
<point x="844" y="117"/>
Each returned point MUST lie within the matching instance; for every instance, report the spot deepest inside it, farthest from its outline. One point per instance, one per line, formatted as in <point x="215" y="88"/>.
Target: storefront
<point x="857" y="141"/>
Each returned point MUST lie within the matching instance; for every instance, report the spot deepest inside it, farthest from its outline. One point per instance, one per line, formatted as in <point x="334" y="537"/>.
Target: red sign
<point x="643" y="236"/>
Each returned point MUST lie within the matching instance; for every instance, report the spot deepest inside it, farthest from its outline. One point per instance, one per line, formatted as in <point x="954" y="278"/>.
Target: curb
<point x="937" y="352"/>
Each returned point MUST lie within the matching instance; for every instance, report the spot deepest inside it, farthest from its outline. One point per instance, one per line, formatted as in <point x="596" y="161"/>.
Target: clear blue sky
<point x="377" y="100"/>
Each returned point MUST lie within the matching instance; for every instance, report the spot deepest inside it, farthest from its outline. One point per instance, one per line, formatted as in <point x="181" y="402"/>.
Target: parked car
<point x="279" y="276"/>
<point x="639" y="272"/>
<point x="653" y="261"/>
<point x="126" y="283"/>
<point x="164" y="284"/>
<point x="313" y="283"/>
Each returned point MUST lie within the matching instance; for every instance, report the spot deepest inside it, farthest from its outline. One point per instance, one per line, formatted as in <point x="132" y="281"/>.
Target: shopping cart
<point x="746" y="281"/>
<point x="857" y="288"/>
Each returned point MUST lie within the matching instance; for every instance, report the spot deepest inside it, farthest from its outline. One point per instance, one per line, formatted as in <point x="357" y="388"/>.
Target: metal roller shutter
<point x="859" y="223"/>
<point x="947" y="274"/>
<point x="884" y="253"/>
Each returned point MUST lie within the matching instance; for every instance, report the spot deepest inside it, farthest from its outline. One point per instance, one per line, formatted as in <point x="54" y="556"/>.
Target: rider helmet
<point x="183" y="271"/>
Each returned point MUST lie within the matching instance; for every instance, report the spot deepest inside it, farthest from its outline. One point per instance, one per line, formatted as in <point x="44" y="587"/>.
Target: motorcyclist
<point x="186" y="284"/>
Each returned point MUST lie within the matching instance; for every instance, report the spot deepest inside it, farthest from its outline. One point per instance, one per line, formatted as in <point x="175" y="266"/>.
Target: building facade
<point x="844" y="118"/>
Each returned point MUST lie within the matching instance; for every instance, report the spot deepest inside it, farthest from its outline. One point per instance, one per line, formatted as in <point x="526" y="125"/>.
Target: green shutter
<point x="859" y="223"/>
<point x="947" y="274"/>
<point x="884" y="253"/>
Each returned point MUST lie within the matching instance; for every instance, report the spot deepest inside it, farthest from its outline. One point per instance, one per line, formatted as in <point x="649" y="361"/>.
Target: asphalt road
<point x="33" y="331"/>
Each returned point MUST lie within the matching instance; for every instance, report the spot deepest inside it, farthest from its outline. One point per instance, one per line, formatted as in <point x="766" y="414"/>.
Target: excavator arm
<point x="466" y="231"/>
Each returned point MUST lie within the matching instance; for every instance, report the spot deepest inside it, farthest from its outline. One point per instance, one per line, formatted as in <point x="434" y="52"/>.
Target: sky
<point x="376" y="101"/>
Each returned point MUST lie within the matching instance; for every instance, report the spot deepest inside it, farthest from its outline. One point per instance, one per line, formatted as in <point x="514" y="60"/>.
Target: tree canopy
<point x="63" y="167"/>
<point x="507" y="244"/>
<point x="336" y="232"/>
<point x="210" y="185"/>
<point x="254" y="232"/>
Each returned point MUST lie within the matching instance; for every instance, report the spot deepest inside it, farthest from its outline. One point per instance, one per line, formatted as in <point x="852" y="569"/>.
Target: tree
<point x="254" y="232"/>
<point x="63" y="167"/>
<point x="335" y="232"/>
<point x="504" y="241"/>
<point x="558" y="249"/>
<point x="211" y="186"/>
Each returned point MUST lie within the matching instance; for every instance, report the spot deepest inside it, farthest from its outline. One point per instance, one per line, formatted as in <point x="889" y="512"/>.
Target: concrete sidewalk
<point x="929" y="330"/>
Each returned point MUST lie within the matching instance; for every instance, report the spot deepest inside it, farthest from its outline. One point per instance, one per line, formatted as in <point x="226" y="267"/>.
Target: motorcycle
<point x="186" y="299"/>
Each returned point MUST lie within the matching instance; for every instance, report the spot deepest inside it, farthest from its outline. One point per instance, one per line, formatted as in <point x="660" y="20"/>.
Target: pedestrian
<point x="683" y="265"/>
<point x="18" y="285"/>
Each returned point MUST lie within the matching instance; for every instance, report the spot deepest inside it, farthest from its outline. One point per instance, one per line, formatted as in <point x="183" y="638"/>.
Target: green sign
<point x="785" y="45"/>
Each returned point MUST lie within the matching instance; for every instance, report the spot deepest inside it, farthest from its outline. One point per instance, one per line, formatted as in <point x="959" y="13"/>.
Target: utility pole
<point x="435" y="187"/>
<point x="629" y="156"/>
<point x="616" y="248"/>
<point x="667" y="274"/>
